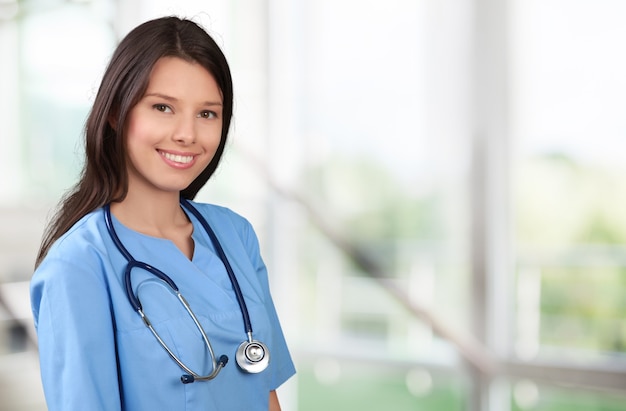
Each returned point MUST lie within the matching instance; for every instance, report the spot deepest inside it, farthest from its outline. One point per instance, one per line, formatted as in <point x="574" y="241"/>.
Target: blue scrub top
<point x="97" y="354"/>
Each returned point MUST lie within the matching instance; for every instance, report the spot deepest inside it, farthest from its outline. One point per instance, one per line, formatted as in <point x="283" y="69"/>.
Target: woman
<point x="113" y="333"/>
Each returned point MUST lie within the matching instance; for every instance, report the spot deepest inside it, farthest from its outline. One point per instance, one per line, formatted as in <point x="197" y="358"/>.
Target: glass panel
<point x="59" y="79"/>
<point x="378" y="164"/>
<point x="568" y="98"/>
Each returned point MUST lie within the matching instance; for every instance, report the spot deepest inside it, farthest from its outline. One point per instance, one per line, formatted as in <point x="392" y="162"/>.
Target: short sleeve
<point x="76" y="337"/>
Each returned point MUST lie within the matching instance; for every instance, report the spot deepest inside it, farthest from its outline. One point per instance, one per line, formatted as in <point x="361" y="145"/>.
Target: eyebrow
<point x="174" y="99"/>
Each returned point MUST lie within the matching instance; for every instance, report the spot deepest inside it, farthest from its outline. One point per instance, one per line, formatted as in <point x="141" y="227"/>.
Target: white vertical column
<point x="284" y="157"/>
<point x="491" y="236"/>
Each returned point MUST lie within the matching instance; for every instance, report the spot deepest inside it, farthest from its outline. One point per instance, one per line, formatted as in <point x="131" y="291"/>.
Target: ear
<point x="112" y="119"/>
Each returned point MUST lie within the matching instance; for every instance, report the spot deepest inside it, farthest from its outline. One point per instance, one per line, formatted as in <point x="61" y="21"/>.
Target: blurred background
<point x="438" y="187"/>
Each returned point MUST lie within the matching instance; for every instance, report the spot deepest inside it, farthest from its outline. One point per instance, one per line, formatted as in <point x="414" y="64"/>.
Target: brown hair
<point x="104" y="176"/>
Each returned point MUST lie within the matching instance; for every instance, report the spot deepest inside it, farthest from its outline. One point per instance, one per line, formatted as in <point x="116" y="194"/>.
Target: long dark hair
<point x="104" y="176"/>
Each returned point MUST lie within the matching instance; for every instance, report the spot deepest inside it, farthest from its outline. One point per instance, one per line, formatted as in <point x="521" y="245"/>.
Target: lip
<point x="176" y="159"/>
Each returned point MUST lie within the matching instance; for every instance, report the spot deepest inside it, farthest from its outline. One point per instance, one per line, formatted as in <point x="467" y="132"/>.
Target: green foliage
<point x="372" y="204"/>
<point x="559" y="399"/>
<point x="371" y="391"/>
<point x="573" y="213"/>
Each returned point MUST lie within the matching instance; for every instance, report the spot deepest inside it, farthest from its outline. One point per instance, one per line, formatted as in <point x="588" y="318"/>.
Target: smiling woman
<point x="154" y="137"/>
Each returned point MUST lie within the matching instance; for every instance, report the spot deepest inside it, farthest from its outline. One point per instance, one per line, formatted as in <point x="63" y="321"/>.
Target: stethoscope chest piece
<point x="252" y="356"/>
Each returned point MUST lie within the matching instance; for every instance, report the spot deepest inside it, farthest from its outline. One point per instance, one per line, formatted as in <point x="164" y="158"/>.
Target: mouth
<point x="177" y="158"/>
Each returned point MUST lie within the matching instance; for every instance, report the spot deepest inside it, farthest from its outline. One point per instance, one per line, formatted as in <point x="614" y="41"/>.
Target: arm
<point x="72" y="314"/>
<point x="274" y="404"/>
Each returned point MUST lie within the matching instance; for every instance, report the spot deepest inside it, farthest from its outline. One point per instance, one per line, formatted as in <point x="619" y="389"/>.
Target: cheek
<point x="139" y="139"/>
<point x="214" y="136"/>
<point x="138" y="131"/>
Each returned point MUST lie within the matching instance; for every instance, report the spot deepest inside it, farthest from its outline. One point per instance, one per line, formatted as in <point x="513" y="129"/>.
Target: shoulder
<point x="229" y="225"/>
<point x="82" y="245"/>
<point x="86" y="234"/>
<point x="221" y="217"/>
<point x="74" y="267"/>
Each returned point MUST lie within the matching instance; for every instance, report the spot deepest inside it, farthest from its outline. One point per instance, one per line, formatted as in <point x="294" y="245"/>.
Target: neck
<point x="150" y="215"/>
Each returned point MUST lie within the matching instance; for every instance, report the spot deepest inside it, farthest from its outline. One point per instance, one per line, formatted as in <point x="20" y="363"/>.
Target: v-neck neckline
<point x="118" y="225"/>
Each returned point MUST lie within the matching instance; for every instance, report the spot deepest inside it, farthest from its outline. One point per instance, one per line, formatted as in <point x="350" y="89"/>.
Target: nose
<point x="185" y="131"/>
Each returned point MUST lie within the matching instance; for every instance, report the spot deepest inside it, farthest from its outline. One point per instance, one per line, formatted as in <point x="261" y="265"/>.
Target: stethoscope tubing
<point x="252" y="356"/>
<point x="132" y="263"/>
<point x="222" y="255"/>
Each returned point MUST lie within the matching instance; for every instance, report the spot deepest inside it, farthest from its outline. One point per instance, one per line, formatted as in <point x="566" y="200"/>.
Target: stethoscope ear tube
<point x="134" y="301"/>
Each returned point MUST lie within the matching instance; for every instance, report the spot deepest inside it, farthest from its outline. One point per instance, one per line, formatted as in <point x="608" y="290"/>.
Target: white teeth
<point x="177" y="158"/>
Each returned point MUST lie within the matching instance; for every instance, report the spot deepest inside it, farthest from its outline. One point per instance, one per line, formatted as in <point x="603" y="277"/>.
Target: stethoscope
<point x="252" y="356"/>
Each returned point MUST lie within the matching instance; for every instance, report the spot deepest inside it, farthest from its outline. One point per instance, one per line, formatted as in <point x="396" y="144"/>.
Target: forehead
<point x="178" y="77"/>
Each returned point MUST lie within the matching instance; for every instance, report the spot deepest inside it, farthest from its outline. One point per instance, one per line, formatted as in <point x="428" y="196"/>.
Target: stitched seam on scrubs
<point x="236" y="229"/>
<point x="57" y="359"/>
<point x="77" y="226"/>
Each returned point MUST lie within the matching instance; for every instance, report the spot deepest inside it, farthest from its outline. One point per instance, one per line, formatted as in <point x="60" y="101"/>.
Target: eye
<point x="162" y="107"/>
<point x="208" y="114"/>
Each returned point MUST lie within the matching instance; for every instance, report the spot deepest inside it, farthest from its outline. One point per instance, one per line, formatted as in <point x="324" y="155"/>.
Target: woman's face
<point x="174" y="131"/>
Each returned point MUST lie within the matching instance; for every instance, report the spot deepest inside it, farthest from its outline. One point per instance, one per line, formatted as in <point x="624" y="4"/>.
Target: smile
<point x="177" y="158"/>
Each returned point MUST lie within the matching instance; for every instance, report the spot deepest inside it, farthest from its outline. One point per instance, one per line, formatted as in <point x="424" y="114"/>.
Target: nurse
<point x="155" y="135"/>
